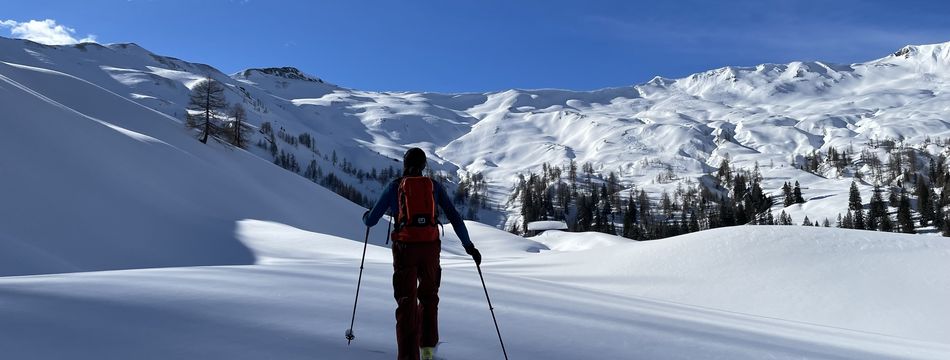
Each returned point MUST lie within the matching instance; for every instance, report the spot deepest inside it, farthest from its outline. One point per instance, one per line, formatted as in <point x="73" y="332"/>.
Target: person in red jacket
<point x="416" y="248"/>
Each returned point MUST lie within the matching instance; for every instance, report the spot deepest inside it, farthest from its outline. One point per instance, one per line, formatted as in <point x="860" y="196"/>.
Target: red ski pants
<point x="416" y="279"/>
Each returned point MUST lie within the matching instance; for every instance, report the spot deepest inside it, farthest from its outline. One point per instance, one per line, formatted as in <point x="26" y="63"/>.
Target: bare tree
<point x="239" y="130"/>
<point x="207" y="98"/>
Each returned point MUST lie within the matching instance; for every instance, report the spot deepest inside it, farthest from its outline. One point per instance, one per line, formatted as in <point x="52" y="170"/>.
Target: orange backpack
<point x="416" y="220"/>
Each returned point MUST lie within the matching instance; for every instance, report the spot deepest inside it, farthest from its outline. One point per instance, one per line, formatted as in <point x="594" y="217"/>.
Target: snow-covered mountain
<point x="133" y="240"/>
<point x="772" y="114"/>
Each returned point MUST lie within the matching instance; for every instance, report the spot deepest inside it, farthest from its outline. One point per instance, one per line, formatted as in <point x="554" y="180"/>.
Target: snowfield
<point x="122" y="237"/>
<point x="817" y="294"/>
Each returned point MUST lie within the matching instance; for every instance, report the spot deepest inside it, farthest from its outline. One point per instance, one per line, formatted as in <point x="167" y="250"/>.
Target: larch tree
<point x="206" y="100"/>
<point x="239" y="131"/>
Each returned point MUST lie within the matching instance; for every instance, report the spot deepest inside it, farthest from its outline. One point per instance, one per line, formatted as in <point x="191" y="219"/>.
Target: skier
<point x="416" y="247"/>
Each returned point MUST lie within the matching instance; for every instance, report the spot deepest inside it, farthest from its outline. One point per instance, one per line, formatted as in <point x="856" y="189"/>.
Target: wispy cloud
<point x="45" y="32"/>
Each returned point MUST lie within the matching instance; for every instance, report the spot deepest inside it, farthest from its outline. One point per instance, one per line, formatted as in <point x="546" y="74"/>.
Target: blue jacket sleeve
<point x="450" y="212"/>
<point x="387" y="201"/>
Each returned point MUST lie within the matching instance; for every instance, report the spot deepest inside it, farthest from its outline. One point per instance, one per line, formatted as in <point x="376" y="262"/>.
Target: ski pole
<point x="389" y="229"/>
<point x="349" y="332"/>
<point x="492" y="309"/>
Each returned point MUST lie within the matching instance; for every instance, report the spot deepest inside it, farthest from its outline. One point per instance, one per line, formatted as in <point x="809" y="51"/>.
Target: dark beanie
<point x="414" y="162"/>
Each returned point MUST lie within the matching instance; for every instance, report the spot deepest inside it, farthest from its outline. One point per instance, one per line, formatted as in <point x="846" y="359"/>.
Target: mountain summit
<point x="286" y="72"/>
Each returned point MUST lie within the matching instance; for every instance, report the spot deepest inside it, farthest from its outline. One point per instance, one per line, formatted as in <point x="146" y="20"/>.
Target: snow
<point x="546" y="225"/>
<point x="769" y="113"/>
<point x="554" y="305"/>
<point x="121" y="236"/>
<point x="564" y="241"/>
<point x="90" y="197"/>
<point x="830" y="277"/>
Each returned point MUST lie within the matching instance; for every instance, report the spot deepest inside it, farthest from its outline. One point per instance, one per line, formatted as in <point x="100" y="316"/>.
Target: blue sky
<point x="484" y="45"/>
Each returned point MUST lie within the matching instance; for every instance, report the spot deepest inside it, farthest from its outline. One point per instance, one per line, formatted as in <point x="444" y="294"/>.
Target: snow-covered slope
<point x="852" y="279"/>
<point x="95" y="181"/>
<point x="237" y="258"/>
<point x="771" y="114"/>
<point x="739" y="293"/>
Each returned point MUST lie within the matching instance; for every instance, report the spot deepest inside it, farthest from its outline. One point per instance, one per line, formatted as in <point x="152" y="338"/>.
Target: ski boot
<point x="428" y="353"/>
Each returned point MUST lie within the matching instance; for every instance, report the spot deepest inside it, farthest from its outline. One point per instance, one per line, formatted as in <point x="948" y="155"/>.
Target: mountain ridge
<point x="939" y="52"/>
<point x="767" y="114"/>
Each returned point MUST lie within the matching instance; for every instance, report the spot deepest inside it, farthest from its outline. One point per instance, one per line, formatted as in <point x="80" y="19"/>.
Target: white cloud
<point x="45" y="32"/>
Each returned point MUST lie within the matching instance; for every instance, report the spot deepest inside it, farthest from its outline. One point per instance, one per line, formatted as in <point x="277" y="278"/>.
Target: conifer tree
<point x="572" y="175"/>
<point x="724" y="173"/>
<point x="630" y="218"/>
<point x="239" y="130"/>
<point x="785" y="219"/>
<point x="904" y="220"/>
<point x="924" y="201"/>
<point x="312" y="171"/>
<point x="848" y="221"/>
<point x="893" y="196"/>
<point x="727" y="212"/>
<point x="643" y="201"/>
<point x="886" y="225"/>
<point x="932" y="170"/>
<point x="939" y="217"/>
<point x="871" y="223"/>
<point x="859" y="221"/>
<point x="797" y="194"/>
<point x="878" y="207"/>
<point x="693" y="222"/>
<point x="787" y="193"/>
<point x="854" y="197"/>
<point x="741" y="216"/>
<point x="945" y="192"/>
<point x="272" y="147"/>
<point x="207" y="98"/>
<point x="856" y="207"/>
<point x="666" y="205"/>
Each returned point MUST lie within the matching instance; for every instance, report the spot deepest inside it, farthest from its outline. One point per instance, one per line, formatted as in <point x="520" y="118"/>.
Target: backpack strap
<point x="403" y="206"/>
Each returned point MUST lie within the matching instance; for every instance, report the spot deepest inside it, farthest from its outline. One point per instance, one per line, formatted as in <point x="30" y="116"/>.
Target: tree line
<point x="590" y="201"/>
<point x="911" y="188"/>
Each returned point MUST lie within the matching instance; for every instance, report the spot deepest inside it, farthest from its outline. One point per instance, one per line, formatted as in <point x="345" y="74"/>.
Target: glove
<point x="365" y="214"/>
<point x="477" y="256"/>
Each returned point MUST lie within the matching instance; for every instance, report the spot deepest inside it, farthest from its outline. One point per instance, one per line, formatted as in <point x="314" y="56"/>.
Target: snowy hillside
<point x="773" y="114"/>
<point x="803" y="294"/>
<point x="775" y="272"/>
<point x="121" y="236"/>
<point x="95" y="181"/>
